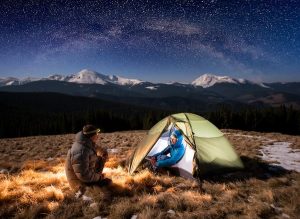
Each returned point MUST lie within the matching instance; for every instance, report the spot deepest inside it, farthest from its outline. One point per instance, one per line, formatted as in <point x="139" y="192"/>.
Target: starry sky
<point x="152" y="40"/>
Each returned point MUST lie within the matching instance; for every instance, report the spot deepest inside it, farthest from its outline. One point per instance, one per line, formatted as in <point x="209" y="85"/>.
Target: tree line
<point x="28" y="114"/>
<point x="274" y="119"/>
<point x="16" y="122"/>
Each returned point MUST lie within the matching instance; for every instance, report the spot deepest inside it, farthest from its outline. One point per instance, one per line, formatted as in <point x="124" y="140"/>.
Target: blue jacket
<point x="176" y="152"/>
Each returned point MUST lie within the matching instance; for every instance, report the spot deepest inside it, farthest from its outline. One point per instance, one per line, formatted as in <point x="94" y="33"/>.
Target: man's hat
<point x="90" y="130"/>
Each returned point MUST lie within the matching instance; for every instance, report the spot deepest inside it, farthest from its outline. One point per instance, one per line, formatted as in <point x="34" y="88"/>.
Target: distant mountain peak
<point x="86" y="76"/>
<point x="125" y="81"/>
<point x="209" y="80"/>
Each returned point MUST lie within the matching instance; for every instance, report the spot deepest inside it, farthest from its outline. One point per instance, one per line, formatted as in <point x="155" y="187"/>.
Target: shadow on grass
<point x="253" y="168"/>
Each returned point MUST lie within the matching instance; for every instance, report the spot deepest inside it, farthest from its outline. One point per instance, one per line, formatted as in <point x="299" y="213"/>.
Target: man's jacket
<point x="83" y="166"/>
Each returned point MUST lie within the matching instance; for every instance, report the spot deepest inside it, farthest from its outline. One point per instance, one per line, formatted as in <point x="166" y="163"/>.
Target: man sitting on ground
<point x="83" y="167"/>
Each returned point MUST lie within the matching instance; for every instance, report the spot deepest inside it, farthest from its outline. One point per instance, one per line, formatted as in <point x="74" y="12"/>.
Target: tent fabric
<point x="186" y="165"/>
<point x="213" y="150"/>
<point x="147" y="143"/>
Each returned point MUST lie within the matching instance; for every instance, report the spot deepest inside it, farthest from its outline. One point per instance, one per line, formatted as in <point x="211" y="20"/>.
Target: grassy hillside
<point x="33" y="183"/>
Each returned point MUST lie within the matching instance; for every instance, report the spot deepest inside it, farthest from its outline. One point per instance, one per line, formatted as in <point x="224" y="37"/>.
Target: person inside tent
<point x="171" y="154"/>
<point x="83" y="167"/>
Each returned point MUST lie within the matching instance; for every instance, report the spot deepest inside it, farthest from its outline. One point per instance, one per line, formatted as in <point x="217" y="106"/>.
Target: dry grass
<point x="33" y="183"/>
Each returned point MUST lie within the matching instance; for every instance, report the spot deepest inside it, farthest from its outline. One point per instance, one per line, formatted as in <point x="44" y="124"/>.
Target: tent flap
<point x="146" y="144"/>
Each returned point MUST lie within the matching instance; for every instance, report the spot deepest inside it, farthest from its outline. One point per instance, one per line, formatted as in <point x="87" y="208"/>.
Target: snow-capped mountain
<point x="15" y="81"/>
<point x="211" y="88"/>
<point x="209" y="80"/>
<point x="9" y="81"/>
<point x="86" y="76"/>
<point x="123" y="81"/>
<point x="83" y="77"/>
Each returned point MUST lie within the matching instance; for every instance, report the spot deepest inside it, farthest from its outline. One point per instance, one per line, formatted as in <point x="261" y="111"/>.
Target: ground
<point x="33" y="182"/>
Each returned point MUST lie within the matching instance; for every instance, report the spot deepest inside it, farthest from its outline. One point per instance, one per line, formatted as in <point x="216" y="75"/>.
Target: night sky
<point x="158" y="41"/>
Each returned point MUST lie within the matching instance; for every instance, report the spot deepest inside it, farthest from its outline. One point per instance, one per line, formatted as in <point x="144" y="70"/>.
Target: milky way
<point x="151" y="40"/>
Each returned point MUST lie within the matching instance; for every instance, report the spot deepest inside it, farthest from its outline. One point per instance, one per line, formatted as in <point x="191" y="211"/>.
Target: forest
<point x="27" y="114"/>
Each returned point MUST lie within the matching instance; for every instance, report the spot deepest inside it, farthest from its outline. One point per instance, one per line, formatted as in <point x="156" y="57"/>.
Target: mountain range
<point x="83" y="77"/>
<point x="204" y="93"/>
<point x="86" y="76"/>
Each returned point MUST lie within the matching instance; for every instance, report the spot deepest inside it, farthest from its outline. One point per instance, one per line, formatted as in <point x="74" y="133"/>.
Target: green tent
<point x="207" y="149"/>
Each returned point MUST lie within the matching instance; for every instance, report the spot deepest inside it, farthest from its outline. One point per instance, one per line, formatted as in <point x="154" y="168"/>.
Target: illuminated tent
<point x="207" y="149"/>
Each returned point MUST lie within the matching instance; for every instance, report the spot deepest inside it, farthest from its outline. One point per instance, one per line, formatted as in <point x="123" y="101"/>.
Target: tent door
<point x="185" y="166"/>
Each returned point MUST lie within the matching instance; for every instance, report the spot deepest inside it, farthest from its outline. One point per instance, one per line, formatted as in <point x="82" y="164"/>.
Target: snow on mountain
<point x="9" y="81"/>
<point x="152" y="87"/>
<point x="87" y="77"/>
<point x="263" y="85"/>
<point x="15" y="81"/>
<point x="177" y="83"/>
<point x="242" y="81"/>
<point x="83" y="77"/>
<point x="12" y="83"/>
<point x="56" y="77"/>
<point x="123" y="81"/>
<point x="208" y="80"/>
<point x="91" y="77"/>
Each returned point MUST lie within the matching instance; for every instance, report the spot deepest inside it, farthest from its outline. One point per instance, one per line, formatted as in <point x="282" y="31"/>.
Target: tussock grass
<point x="32" y="193"/>
<point x="33" y="183"/>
